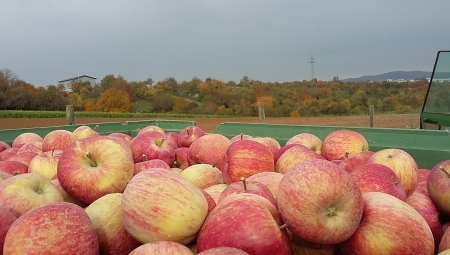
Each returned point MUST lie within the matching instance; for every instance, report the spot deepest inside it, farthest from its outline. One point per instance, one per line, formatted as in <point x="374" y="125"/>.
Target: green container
<point x="427" y="147"/>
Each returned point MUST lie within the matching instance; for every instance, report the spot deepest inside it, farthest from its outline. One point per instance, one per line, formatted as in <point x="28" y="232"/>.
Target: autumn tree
<point x="89" y="105"/>
<point x="179" y="104"/>
<point x="114" y="100"/>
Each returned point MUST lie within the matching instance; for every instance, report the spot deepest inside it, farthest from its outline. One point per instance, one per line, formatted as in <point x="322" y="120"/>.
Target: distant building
<point x="67" y="82"/>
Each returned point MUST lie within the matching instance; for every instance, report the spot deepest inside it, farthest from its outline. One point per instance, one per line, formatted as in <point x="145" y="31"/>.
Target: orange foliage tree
<point x="89" y="105"/>
<point x="179" y="104"/>
<point x="114" y="100"/>
<point x="266" y="100"/>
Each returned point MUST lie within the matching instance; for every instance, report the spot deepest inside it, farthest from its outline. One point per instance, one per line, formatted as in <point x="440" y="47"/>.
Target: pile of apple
<point x="192" y="192"/>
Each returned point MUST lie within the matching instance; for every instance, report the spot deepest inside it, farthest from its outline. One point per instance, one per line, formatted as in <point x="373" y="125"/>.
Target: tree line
<point x="214" y="96"/>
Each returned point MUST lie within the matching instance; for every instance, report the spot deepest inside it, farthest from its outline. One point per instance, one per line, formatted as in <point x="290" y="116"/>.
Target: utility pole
<point x="312" y="62"/>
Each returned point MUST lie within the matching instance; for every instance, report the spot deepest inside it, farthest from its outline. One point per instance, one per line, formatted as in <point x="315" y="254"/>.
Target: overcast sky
<point x="49" y="40"/>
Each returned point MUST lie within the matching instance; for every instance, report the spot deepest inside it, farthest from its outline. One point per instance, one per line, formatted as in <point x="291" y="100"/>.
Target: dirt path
<point x="209" y="124"/>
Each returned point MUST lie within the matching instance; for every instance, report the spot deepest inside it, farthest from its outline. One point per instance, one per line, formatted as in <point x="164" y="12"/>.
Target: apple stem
<point x="89" y="155"/>
<point x="187" y="131"/>
<point x="53" y="151"/>
<point x="244" y="182"/>
<point x="242" y="136"/>
<point x="283" y="226"/>
<point x="389" y="156"/>
<point x="445" y="171"/>
<point x="159" y="144"/>
<point x="16" y="172"/>
<point x="95" y="128"/>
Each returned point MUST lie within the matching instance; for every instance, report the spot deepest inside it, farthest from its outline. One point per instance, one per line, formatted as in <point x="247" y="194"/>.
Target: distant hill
<point x="397" y="75"/>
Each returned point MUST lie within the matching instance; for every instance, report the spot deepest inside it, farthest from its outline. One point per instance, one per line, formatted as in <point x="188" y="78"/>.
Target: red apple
<point x="127" y="138"/>
<point x="159" y="205"/>
<point x="66" y="196"/>
<point x="85" y="131"/>
<point x="151" y="128"/>
<point x="24" y="157"/>
<point x="162" y="247"/>
<point x="215" y="191"/>
<point x="425" y="207"/>
<point x="320" y="202"/>
<point x="202" y="175"/>
<point x="438" y="186"/>
<point x="245" y="221"/>
<point x="105" y="215"/>
<point x="45" y="164"/>
<point x="223" y="251"/>
<point x="152" y="163"/>
<point x="58" y="139"/>
<point x="342" y="142"/>
<point x="4" y="146"/>
<point x="350" y="163"/>
<point x="270" y="179"/>
<point x="13" y="167"/>
<point x="444" y="243"/>
<point x="95" y="166"/>
<point x="188" y="135"/>
<point x="7" y="218"/>
<point x="389" y="226"/>
<point x="245" y="158"/>
<point x="181" y="157"/>
<point x="403" y="165"/>
<point x="251" y="187"/>
<point x="277" y="154"/>
<point x="241" y="137"/>
<point x="172" y="137"/>
<point x="209" y="149"/>
<point x="210" y="200"/>
<point x="6" y="154"/>
<point x="422" y="188"/>
<point x="35" y="147"/>
<point x="24" y="192"/>
<point x="57" y="228"/>
<point x="4" y="176"/>
<point x="26" y="138"/>
<point x="271" y="144"/>
<point x="308" y="140"/>
<point x="152" y="145"/>
<point x="376" y="177"/>
<point x="302" y="247"/>
<point x="423" y="174"/>
<point x="293" y="156"/>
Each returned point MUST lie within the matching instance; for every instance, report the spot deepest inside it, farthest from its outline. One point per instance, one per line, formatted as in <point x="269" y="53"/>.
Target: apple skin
<point x="151" y="129"/>
<point x="389" y="226"/>
<point x="422" y="188"/>
<point x="45" y="163"/>
<point x="159" y="205"/>
<point x="125" y="137"/>
<point x="202" y="175"/>
<point x="70" y="232"/>
<point x="7" y="218"/>
<point x="270" y="179"/>
<point x="4" y="146"/>
<point x="24" y="138"/>
<point x="271" y="144"/>
<point x="251" y="187"/>
<point x="108" y="172"/>
<point x="210" y="200"/>
<point x="376" y="177"/>
<point x="162" y="247"/>
<point x="35" y="147"/>
<point x="351" y="162"/>
<point x="58" y="140"/>
<point x="343" y="142"/>
<point x="438" y="186"/>
<point x="66" y="196"/>
<point x="277" y="154"/>
<point x="4" y="176"/>
<point x="152" y="145"/>
<point x="293" y="156"/>
<point x="181" y="157"/>
<point x="444" y="243"/>
<point x="152" y="163"/>
<point x="223" y="251"/>
<point x="13" y="167"/>
<point x="245" y="158"/>
<point x="105" y="215"/>
<point x="24" y="192"/>
<point x="254" y="223"/>
<point x="328" y="213"/>
<point x="85" y="131"/>
<point x="423" y="174"/>
<point x="425" y="207"/>
<point x="308" y="140"/>
<point x="188" y="135"/>
<point x="403" y="165"/>
<point x="24" y="157"/>
<point x="215" y="191"/>
<point x="241" y="137"/>
<point x="209" y="149"/>
<point x="6" y="154"/>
